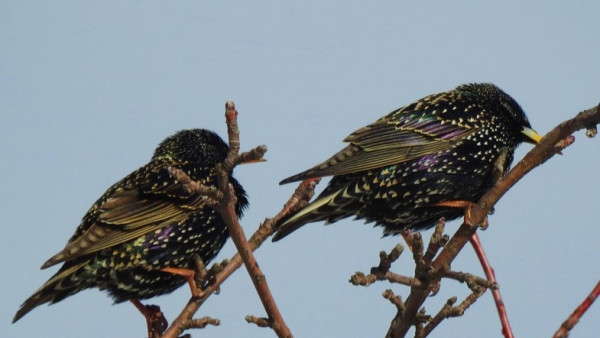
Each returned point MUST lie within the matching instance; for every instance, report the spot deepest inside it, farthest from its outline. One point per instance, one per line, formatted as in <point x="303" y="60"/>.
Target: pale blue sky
<point x="88" y="90"/>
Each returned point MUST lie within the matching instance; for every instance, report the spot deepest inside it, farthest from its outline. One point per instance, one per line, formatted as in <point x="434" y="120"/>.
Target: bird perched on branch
<point x="399" y="171"/>
<point x="145" y="225"/>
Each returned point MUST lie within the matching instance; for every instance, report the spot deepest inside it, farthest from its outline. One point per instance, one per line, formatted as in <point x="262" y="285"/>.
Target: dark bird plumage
<point x="143" y="223"/>
<point x="440" y="148"/>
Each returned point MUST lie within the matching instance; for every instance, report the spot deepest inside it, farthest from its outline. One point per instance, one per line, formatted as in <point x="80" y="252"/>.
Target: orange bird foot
<point x="189" y="277"/>
<point x="468" y="207"/>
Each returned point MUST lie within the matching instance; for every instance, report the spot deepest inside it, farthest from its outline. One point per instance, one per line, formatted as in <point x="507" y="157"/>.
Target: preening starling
<point x="437" y="149"/>
<point x="142" y="224"/>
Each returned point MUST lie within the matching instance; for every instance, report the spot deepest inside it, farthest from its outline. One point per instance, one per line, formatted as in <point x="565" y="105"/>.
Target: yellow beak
<point x="532" y="135"/>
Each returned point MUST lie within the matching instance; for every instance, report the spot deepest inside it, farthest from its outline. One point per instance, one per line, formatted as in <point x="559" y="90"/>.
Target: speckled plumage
<point x="143" y="223"/>
<point x="440" y="148"/>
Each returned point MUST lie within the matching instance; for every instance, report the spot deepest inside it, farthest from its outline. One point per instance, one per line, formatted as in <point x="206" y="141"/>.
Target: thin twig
<point x="259" y="321"/>
<point x="199" y="323"/>
<point x="473" y="282"/>
<point x="227" y="211"/>
<point x="573" y="319"/>
<point x="382" y="271"/>
<point x="448" y="311"/>
<point x="491" y="276"/>
<point x="436" y="241"/>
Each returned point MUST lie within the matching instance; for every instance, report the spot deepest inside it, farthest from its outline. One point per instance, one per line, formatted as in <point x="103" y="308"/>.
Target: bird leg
<point x="189" y="277"/>
<point x="468" y="207"/>
<point x="155" y="320"/>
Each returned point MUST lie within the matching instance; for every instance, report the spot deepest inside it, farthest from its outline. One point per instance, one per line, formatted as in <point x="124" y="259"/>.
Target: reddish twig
<point x="491" y="276"/>
<point x="573" y="319"/>
<point x="557" y="139"/>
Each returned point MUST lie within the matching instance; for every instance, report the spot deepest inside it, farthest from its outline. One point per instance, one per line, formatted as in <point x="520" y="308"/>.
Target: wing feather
<point x="398" y="137"/>
<point x="130" y="211"/>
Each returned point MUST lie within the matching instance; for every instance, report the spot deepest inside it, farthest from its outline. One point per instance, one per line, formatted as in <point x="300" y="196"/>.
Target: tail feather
<point x="330" y="208"/>
<point x="342" y="162"/>
<point x="63" y="284"/>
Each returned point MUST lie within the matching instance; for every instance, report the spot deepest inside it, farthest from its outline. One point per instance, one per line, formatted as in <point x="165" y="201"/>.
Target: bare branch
<point x="474" y="283"/>
<point x="382" y="272"/>
<point x="436" y="241"/>
<point x="448" y="311"/>
<point x="199" y="323"/>
<point x="491" y="276"/>
<point x="573" y="319"/>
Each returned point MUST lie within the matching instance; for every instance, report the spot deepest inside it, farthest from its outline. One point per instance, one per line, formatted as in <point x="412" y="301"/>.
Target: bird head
<point x="506" y="109"/>
<point x="194" y="146"/>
